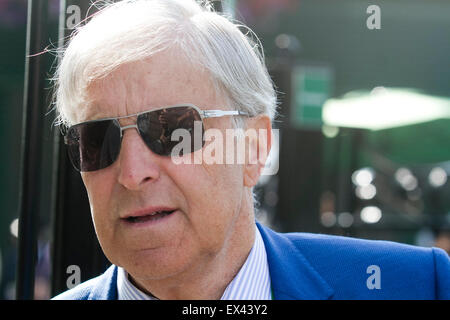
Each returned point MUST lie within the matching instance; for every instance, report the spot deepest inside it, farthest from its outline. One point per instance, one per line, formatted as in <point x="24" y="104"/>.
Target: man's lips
<point x="146" y="214"/>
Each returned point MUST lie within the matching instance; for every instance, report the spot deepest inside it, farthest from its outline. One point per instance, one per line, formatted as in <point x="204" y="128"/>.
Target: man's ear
<point x="258" y="144"/>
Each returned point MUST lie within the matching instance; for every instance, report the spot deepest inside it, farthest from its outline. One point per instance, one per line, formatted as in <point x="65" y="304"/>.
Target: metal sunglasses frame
<point x="204" y="114"/>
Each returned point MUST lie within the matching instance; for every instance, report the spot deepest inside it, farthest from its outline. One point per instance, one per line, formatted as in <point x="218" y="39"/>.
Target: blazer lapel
<point x="292" y="276"/>
<point x="106" y="286"/>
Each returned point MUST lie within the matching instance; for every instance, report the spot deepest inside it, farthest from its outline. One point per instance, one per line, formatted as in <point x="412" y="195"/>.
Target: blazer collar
<point x="292" y="276"/>
<point x="106" y="286"/>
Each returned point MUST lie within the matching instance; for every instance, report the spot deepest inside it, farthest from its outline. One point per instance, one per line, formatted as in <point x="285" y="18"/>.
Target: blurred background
<point x="364" y="128"/>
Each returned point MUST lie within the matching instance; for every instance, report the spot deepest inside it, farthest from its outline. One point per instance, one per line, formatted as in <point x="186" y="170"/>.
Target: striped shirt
<point x="251" y="283"/>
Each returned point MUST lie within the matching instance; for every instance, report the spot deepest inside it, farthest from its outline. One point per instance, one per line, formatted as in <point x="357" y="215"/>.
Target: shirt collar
<point x="251" y="283"/>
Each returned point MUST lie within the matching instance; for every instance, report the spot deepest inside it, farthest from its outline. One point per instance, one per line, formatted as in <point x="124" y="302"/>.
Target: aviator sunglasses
<point x="95" y="144"/>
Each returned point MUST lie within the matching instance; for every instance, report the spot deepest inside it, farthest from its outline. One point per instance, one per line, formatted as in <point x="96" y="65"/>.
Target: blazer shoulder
<point x="362" y="269"/>
<point x="79" y="292"/>
<point x="352" y="263"/>
<point x="350" y="244"/>
<point x="101" y="287"/>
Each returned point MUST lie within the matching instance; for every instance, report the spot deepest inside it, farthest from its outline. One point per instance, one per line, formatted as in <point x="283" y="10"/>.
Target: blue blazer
<point x="315" y="266"/>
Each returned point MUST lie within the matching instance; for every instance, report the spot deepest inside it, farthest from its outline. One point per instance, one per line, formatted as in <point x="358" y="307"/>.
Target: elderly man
<point x="130" y="78"/>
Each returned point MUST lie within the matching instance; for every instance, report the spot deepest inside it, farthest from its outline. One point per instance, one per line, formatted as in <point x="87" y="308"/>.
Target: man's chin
<point x="154" y="265"/>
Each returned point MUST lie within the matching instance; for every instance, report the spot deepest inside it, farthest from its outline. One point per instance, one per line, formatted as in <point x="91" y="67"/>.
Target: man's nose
<point x="138" y="165"/>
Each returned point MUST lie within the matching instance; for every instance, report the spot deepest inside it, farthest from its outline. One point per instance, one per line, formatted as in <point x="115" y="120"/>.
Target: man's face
<point x="207" y="199"/>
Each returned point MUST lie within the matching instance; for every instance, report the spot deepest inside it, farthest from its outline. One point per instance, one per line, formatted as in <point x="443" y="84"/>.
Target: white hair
<point x="132" y="30"/>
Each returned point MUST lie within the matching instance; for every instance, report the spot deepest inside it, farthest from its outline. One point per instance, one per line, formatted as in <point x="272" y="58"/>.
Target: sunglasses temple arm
<point x="222" y="113"/>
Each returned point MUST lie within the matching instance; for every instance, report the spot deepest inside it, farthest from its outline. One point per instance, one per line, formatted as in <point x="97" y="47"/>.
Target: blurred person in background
<point x="187" y="230"/>
<point x="443" y="240"/>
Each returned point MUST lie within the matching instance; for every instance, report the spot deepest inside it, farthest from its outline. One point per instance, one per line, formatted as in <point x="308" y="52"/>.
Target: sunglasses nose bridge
<point x="122" y="129"/>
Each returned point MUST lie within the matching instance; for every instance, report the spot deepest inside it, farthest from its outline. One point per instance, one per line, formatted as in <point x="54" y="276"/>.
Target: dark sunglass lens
<point x="157" y="129"/>
<point x="93" y="145"/>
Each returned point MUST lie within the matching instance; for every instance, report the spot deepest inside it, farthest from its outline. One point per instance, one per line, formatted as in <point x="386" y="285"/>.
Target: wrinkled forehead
<point x="162" y="80"/>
